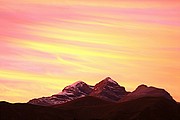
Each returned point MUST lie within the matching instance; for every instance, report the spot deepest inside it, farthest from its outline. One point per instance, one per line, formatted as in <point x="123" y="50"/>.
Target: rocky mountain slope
<point x="145" y="91"/>
<point x="107" y="89"/>
<point x="71" y="92"/>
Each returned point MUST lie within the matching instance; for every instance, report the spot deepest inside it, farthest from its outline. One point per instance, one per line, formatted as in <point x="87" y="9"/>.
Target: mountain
<point x="145" y="91"/>
<point x="109" y="90"/>
<point x="71" y="92"/>
<point x="107" y="100"/>
<point x="92" y="108"/>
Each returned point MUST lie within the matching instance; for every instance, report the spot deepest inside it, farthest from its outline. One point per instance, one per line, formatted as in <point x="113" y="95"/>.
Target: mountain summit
<point x="145" y="91"/>
<point x="78" y="88"/>
<point x="109" y="90"/>
<point x="70" y="92"/>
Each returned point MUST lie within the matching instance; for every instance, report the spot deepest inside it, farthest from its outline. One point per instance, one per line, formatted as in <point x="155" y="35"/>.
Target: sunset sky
<point x="48" y="44"/>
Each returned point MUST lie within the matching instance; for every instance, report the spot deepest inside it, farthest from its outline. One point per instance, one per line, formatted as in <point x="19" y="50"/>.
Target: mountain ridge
<point x="107" y="100"/>
<point x="145" y="91"/>
<point x="107" y="89"/>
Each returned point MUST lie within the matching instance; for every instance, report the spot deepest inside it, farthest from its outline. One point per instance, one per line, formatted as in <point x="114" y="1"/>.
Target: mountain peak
<point x="109" y="90"/>
<point x="70" y="92"/>
<point x="75" y="84"/>
<point x="78" y="82"/>
<point x="145" y="91"/>
<point x="108" y="79"/>
<point x="78" y="87"/>
<point x="142" y="86"/>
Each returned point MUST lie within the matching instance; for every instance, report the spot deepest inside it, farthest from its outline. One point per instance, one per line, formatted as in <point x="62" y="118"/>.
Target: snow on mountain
<point x="78" y="88"/>
<point x="71" y="92"/>
<point x="109" y="90"/>
<point x="145" y="91"/>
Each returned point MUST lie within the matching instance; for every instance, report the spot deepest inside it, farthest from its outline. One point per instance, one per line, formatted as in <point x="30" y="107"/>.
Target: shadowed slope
<point x="24" y="111"/>
<point x="84" y="101"/>
<point x="71" y="92"/>
<point x="147" y="108"/>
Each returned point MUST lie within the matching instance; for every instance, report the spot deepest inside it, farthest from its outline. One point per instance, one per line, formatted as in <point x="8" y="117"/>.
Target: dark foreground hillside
<point x="90" y="108"/>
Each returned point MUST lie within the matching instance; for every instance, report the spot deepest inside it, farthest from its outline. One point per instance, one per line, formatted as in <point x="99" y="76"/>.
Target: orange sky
<point x="46" y="45"/>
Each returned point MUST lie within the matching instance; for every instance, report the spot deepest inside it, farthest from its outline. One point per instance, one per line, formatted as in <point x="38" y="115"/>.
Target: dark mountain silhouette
<point x="24" y="111"/>
<point x="105" y="101"/>
<point x="147" y="108"/>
